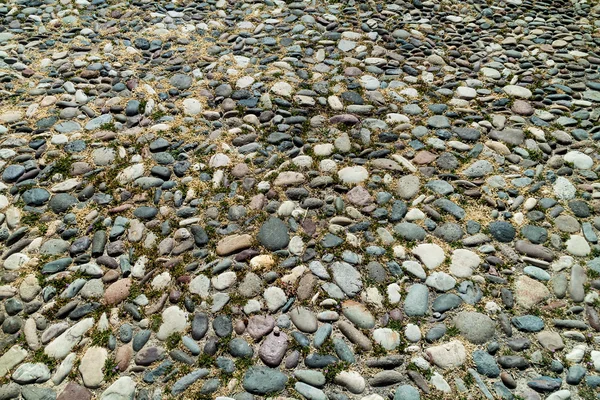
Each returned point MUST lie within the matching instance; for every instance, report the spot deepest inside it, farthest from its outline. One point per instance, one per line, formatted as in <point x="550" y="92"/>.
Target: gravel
<point x="326" y="199"/>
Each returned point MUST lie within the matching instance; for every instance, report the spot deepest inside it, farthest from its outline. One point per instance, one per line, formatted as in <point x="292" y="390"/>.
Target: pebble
<point x="254" y="188"/>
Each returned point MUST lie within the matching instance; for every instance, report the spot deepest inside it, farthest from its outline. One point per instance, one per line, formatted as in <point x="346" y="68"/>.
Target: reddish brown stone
<point x="117" y="292"/>
<point x="424" y="157"/>
<point x="123" y="357"/>
<point x="74" y="391"/>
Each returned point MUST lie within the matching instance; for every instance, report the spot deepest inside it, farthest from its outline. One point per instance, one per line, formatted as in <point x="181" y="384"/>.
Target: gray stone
<point x="273" y="234"/>
<point x="475" y="327"/>
<point x="416" y="302"/>
<point x="263" y="380"/>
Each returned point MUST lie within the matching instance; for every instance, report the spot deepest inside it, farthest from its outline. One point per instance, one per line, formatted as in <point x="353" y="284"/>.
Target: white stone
<point x="286" y="208"/>
<point x="346" y="45"/>
<point x="92" y="364"/>
<point x="10" y="117"/>
<point x="393" y="292"/>
<point x="353" y="381"/>
<point x="564" y="189"/>
<point x="192" y="107"/>
<point x="282" y="89"/>
<point x="412" y="333"/>
<point x="369" y="82"/>
<point x="323" y="150"/>
<point x="65" y="186"/>
<point x="440" y="383"/>
<point x="335" y="103"/>
<point x="578" y="246"/>
<point x="388" y="338"/>
<point x="275" y="298"/>
<point x="302" y="161"/>
<point x="11" y="359"/>
<point x="139" y="268"/>
<point x="448" y="355"/>
<point x="200" y="285"/>
<point x="122" y="389"/>
<point x="491" y="73"/>
<point x="15" y="261"/>
<point x="579" y="160"/>
<point x="354" y="174"/>
<point x="395" y="118"/>
<point x="430" y="254"/>
<point x="174" y="320"/>
<point x="131" y="173"/>
<point x="595" y="355"/>
<point x="560" y="395"/>
<point x="564" y="262"/>
<point x="577" y="353"/>
<point x="244" y="82"/>
<point x="414" y="214"/>
<point x="224" y="280"/>
<point x="372" y="296"/>
<point x="252" y="306"/>
<point x="62" y="345"/>
<point x="296" y="245"/>
<point x="219" y="160"/>
<point x="161" y="281"/>
<point x="414" y="268"/>
<point x="463" y="263"/>
<point x="440" y="281"/>
<point x="517" y="91"/>
<point x="466" y="93"/>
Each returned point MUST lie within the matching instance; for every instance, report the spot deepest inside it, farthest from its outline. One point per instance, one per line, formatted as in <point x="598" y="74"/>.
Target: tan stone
<point x="550" y="340"/>
<point x="233" y="244"/>
<point x="448" y="355"/>
<point x="123" y="357"/>
<point x="529" y="292"/>
<point x="117" y="292"/>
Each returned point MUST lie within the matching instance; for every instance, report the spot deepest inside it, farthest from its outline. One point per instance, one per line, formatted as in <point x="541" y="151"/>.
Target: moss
<point x="302" y="350"/>
<point x="452" y="331"/>
<point x="587" y="393"/>
<point x="63" y="165"/>
<point x="395" y="325"/>
<point x="134" y="291"/>
<point x="109" y="126"/>
<point x="327" y="347"/>
<point x="155" y="321"/>
<point x="173" y="341"/>
<point x="156" y="115"/>
<point x="100" y="338"/>
<point x="333" y="369"/>
<point x="111" y="369"/>
<point x="30" y="219"/>
<point x="379" y="350"/>
<point x="469" y="380"/>
<point x="242" y="364"/>
<point x="536" y="155"/>
<point x="73" y="374"/>
<point x="205" y="360"/>
<point x="40" y="357"/>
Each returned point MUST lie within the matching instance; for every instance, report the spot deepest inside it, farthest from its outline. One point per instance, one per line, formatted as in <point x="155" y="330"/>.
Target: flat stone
<point x="233" y="244"/>
<point x="92" y="365"/>
<point x="430" y="254"/>
<point x="448" y="355"/>
<point x="530" y="292"/>
<point x="263" y="380"/>
<point x="475" y="327"/>
<point x="358" y="314"/>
